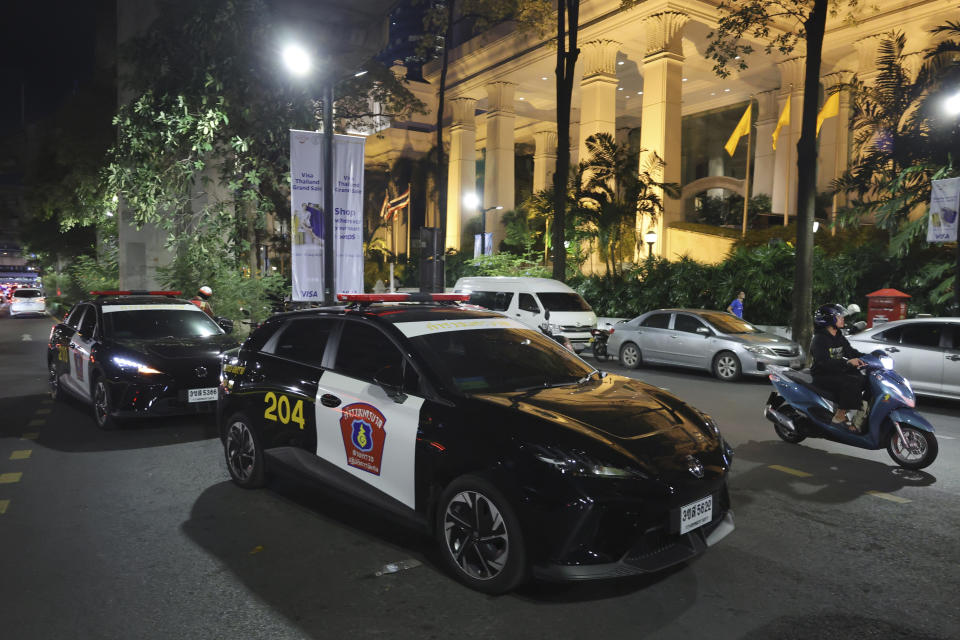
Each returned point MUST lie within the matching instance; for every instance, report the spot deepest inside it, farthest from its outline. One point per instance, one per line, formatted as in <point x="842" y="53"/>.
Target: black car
<point x="516" y="454"/>
<point x="133" y="354"/>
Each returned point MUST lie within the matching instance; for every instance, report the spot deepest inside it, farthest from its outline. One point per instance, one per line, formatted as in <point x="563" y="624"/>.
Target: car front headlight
<point x="760" y="351"/>
<point x="129" y="365"/>
<point x="580" y="464"/>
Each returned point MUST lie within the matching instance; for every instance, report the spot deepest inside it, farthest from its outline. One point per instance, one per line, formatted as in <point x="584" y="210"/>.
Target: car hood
<point x="173" y="349"/>
<point x="645" y="423"/>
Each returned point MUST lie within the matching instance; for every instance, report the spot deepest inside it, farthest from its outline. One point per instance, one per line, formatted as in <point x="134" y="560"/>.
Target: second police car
<point x="136" y="354"/>
<point x="519" y="457"/>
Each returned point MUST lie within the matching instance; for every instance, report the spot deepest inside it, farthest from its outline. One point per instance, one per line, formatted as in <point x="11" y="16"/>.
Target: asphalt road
<point x="139" y="534"/>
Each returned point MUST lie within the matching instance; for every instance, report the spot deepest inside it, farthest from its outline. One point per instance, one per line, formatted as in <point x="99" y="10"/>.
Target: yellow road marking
<point x="46" y="401"/>
<point x="21" y="454"/>
<point x="888" y="496"/>
<point x="9" y="478"/>
<point x="43" y="412"/>
<point x="30" y="435"/>
<point x="793" y="472"/>
<point x="3" y="506"/>
<point x="36" y="422"/>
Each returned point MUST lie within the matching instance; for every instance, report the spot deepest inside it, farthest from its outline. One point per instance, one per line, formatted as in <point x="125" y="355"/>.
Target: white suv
<point x="26" y="300"/>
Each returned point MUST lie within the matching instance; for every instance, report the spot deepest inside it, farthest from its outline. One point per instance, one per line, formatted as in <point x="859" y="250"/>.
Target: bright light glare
<point x="816" y="226"/>
<point x="297" y="60"/>
<point x="952" y="104"/>
<point x="471" y="201"/>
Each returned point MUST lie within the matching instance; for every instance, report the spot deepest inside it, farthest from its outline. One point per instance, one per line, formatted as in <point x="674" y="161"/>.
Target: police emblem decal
<point x="362" y="427"/>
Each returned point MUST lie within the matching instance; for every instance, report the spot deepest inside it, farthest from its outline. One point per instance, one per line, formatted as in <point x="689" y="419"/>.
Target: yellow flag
<point x="743" y="128"/>
<point x="830" y="108"/>
<point x="783" y="121"/>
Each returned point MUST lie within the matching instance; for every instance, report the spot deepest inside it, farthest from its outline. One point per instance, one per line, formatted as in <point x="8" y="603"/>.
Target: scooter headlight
<point x="887" y="362"/>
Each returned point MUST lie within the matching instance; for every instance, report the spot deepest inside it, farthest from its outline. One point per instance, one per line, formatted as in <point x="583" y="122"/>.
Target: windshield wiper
<point x="587" y="377"/>
<point x="547" y="385"/>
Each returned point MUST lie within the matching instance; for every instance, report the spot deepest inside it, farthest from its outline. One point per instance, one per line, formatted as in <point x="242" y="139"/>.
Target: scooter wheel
<point x="788" y="436"/>
<point x="918" y="452"/>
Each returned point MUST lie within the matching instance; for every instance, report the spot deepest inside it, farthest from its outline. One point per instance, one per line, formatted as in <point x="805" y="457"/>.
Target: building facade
<point x="642" y="76"/>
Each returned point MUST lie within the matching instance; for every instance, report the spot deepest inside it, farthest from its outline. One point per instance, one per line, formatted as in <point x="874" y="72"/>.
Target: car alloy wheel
<point x="630" y="356"/>
<point x="101" y="405"/>
<point x="243" y="453"/>
<point x="726" y="366"/>
<point x="480" y="536"/>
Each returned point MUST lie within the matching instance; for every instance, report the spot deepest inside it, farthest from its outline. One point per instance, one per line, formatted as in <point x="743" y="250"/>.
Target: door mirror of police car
<point x="390" y="379"/>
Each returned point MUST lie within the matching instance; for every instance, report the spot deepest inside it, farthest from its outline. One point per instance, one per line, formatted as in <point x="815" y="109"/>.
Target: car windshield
<point x="27" y="293"/>
<point x="728" y="323"/>
<point x="144" y="324"/>
<point x="563" y="302"/>
<point x="497" y="360"/>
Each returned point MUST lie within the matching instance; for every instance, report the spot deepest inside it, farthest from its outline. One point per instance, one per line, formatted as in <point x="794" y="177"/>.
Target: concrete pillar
<point x="462" y="172"/>
<point x="498" y="177"/>
<point x="764" y="156"/>
<point x="785" y="168"/>
<point x="544" y="156"/>
<point x="661" y="117"/>
<point x="598" y="91"/>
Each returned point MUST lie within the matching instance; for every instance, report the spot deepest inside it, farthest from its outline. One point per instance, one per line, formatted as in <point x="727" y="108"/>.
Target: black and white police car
<point x="521" y="458"/>
<point x="136" y="354"/>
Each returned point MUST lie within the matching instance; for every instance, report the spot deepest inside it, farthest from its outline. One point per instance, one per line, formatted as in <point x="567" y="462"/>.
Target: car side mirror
<point x="390" y="379"/>
<point x="546" y="315"/>
<point x="225" y="323"/>
<point x="704" y="331"/>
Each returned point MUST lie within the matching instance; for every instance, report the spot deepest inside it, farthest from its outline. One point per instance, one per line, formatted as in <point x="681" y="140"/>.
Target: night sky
<point x="48" y="51"/>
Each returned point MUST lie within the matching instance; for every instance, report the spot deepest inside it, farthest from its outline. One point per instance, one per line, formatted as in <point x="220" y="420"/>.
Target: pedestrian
<point x="202" y="300"/>
<point x="736" y="307"/>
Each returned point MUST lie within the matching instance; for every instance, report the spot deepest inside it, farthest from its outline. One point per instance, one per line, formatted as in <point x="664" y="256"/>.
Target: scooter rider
<point x="835" y="362"/>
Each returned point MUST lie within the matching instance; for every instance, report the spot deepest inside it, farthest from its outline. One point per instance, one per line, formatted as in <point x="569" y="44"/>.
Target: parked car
<point x="134" y="354"/>
<point x="516" y="455"/>
<point x="713" y="340"/>
<point x="925" y="351"/>
<point x="535" y="302"/>
<point x="27" y="301"/>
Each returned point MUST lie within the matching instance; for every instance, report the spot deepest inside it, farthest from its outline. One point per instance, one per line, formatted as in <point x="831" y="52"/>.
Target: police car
<point x="519" y="457"/>
<point x="133" y="354"/>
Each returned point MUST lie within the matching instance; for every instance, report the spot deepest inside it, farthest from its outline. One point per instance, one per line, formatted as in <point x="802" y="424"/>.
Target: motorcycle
<point x="887" y="418"/>
<point x="598" y="342"/>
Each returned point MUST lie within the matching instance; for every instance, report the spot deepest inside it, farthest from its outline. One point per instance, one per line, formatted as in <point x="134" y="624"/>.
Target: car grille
<point x="787" y="352"/>
<point x="575" y="327"/>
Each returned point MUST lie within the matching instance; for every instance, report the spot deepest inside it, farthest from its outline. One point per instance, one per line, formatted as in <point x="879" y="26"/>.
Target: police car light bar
<point x="135" y="293"/>
<point x="403" y="297"/>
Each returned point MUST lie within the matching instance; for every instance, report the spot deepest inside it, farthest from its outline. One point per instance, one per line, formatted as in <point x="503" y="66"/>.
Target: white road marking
<point x="25" y="338"/>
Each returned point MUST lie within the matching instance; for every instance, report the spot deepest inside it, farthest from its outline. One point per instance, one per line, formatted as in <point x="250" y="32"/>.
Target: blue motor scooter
<point x="799" y="409"/>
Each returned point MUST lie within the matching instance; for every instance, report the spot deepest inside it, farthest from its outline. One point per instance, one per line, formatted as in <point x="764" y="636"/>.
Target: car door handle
<point x="953" y="357"/>
<point x="329" y="400"/>
<point x="892" y="350"/>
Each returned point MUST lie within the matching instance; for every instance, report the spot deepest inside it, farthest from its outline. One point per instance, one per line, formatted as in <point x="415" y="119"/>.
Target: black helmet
<point x="826" y="315"/>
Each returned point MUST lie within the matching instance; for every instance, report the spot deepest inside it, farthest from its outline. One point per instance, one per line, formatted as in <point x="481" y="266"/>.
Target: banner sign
<point x="944" y="204"/>
<point x="307" y="243"/>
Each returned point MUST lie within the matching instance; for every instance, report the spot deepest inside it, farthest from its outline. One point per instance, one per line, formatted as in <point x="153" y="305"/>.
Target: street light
<point x="952" y="104"/>
<point x="299" y="62"/>
<point x="650" y="237"/>
<point x="472" y="201"/>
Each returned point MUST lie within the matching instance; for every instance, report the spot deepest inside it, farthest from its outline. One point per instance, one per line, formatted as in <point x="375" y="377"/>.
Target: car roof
<point x="138" y="300"/>
<point x="394" y="313"/>
<point x="547" y="285"/>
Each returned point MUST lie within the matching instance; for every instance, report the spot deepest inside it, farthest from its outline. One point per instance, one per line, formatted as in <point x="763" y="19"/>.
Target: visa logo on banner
<point x="944" y="205"/>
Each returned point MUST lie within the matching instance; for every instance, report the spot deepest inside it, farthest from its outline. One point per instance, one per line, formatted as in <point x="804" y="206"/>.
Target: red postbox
<point x="886" y="305"/>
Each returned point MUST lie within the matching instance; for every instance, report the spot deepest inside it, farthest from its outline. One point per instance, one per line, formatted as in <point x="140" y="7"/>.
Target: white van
<point x="529" y="299"/>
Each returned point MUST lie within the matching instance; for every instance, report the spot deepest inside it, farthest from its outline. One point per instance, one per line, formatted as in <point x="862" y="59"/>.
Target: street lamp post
<point x="650" y="237"/>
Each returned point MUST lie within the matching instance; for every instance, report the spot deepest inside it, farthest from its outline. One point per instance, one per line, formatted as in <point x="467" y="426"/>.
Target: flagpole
<point x="409" y="206"/>
<point x="746" y="182"/>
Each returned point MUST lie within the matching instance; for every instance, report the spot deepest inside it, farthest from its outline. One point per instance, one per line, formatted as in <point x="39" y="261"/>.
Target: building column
<point x="498" y="177"/>
<point x="462" y="171"/>
<point x="598" y="92"/>
<point x="784" y="199"/>
<point x="544" y="156"/>
<point x="764" y="156"/>
<point x="834" y="134"/>
<point x="661" y="116"/>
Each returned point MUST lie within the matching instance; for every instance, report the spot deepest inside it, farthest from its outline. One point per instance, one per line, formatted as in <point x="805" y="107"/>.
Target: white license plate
<point x="202" y="395"/>
<point x="696" y="514"/>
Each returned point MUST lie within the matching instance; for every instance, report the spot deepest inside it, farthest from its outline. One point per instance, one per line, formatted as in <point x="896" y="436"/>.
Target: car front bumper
<point x="136" y="399"/>
<point x="758" y="365"/>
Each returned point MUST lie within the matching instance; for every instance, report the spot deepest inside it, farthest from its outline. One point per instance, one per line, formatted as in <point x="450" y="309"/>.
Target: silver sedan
<point x="713" y="340"/>
<point x="925" y="351"/>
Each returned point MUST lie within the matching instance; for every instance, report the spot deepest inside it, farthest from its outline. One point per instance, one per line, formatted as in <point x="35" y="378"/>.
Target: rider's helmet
<point x="205" y="292"/>
<point x="826" y="315"/>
